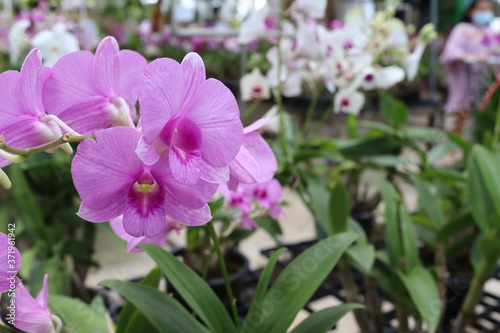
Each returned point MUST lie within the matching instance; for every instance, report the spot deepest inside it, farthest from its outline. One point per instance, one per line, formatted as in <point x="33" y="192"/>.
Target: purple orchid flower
<point x="90" y="92"/>
<point x="253" y="200"/>
<point x="113" y="181"/>
<point x="268" y="195"/>
<point x="22" y="108"/>
<point x="132" y="242"/>
<point x="192" y="120"/>
<point x="10" y="262"/>
<point x="33" y="314"/>
<point x="255" y="162"/>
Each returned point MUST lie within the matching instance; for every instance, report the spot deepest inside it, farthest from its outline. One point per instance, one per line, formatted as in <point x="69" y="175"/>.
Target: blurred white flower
<point x="18" y="40"/>
<point x="412" y="62"/>
<point x="372" y="78"/>
<point x="254" y="86"/>
<point x="348" y="101"/>
<point x="273" y="120"/>
<point x="55" y="43"/>
<point x="254" y="27"/>
<point x="311" y="8"/>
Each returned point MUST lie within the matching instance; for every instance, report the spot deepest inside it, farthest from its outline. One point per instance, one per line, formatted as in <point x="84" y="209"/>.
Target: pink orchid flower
<point x="253" y="200"/>
<point x="255" y="162"/>
<point x="90" y="92"/>
<point x="132" y="242"/>
<point x="268" y="195"/>
<point x="22" y="108"/>
<point x="33" y="314"/>
<point x="10" y="262"/>
<point x="112" y="181"/>
<point x="194" y="121"/>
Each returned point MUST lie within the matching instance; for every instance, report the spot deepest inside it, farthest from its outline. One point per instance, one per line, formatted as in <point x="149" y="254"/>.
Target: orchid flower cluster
<point x="23" y="311"/>
<point x="153" y="40"/>
<point x="54" y="34"/>
<point x="142" y="174"/>
<point x="346" y="57"/>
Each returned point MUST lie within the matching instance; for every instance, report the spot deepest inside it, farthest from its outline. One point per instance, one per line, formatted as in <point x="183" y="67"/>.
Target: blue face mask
<point x="483" y="17"/>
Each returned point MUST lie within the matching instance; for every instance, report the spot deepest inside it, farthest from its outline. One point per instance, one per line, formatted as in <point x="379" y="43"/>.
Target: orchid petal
<point x="107" y="67"/>
<point x="112" y="154"/>
<point x="221" y="124"/>
<point x="160" y="96"/>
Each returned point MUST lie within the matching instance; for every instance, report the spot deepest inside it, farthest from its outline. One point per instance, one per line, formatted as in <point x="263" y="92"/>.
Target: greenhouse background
<point x="249" y="166"/>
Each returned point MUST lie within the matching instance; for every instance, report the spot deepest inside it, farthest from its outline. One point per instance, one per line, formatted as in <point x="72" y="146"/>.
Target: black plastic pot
<point x="366" y="220"/>
<point x="456" y="289"/>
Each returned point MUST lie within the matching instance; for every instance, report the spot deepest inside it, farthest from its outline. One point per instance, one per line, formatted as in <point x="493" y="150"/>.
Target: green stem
<point x="222" y="263"/>
<point x="310" y="113"/>
<point x="352" y="294"/>
<point x="38" y="149"/>
<point x="250" y="109"/>
<point x="324" y="117"/>
<point x="483" y="272"/>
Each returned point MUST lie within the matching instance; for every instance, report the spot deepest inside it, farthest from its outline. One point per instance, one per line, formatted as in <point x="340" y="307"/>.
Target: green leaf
<point x="319" y="199"/>
<point x="409" y="238"/>
<point x="378" y="126"/>
<point x="429" y="202"/>
<point x="363" y="255"/>
<point x="438" y="152"/>
<point x="426" y="134"/>
<point x="299" y="280"/>
<point x="324" y="320"/>
<point x="351" y="126"/>
<point x="270" y="225"/>
<point x="387" y="160"/>
<point x="139" y="323"/>
<point x="59" y="272"/>
<point x="162" y="310"/>
<point x="455" y="226"/>
<point x="76" y="315"/>
<point x="484" y="188"/>
<point x="489" y="246"/>
<point x="255" y="313"/>
<point x="26" y="205"/>
<point x="462" y="143"/>
<point x="424" y="293"/>
<point x="129" y="309"/>
<point x="339" y="208"/>
<point x="394" y="111"/>
<point x="445" y="176"/>
<point x="193" y="289"/>
<point x="391" y="199"/>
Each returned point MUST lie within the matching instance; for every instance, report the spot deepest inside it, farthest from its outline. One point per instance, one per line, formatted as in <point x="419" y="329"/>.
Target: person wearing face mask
<point x="463" y="58"/>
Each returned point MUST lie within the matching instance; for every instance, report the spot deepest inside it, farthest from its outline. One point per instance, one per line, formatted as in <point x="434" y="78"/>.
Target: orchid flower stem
<point x="324" y="117"/>
<point x="484" y="270"/>
<point x="24" y="153"/>
<point x="310" y="114"/>
<point x="60" y="123"/>
<point x="222" y="263"/>
<point x="251" y="108"/>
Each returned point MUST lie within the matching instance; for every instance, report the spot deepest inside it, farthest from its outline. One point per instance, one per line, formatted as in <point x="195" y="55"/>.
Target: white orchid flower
<point x="349" y="101"/>
<point x="55" y="43"/>
<point x="372" y="78"/>
<point x="412" y="62"/>
<point x="311" y="8"/>
<point x="254" y="27"/>
<point x="18" y="40"/>
<point x="254" y="86"/>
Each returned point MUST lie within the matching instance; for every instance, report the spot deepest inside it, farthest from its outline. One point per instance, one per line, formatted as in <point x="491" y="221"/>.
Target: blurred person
<point x="463" y="57"/>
